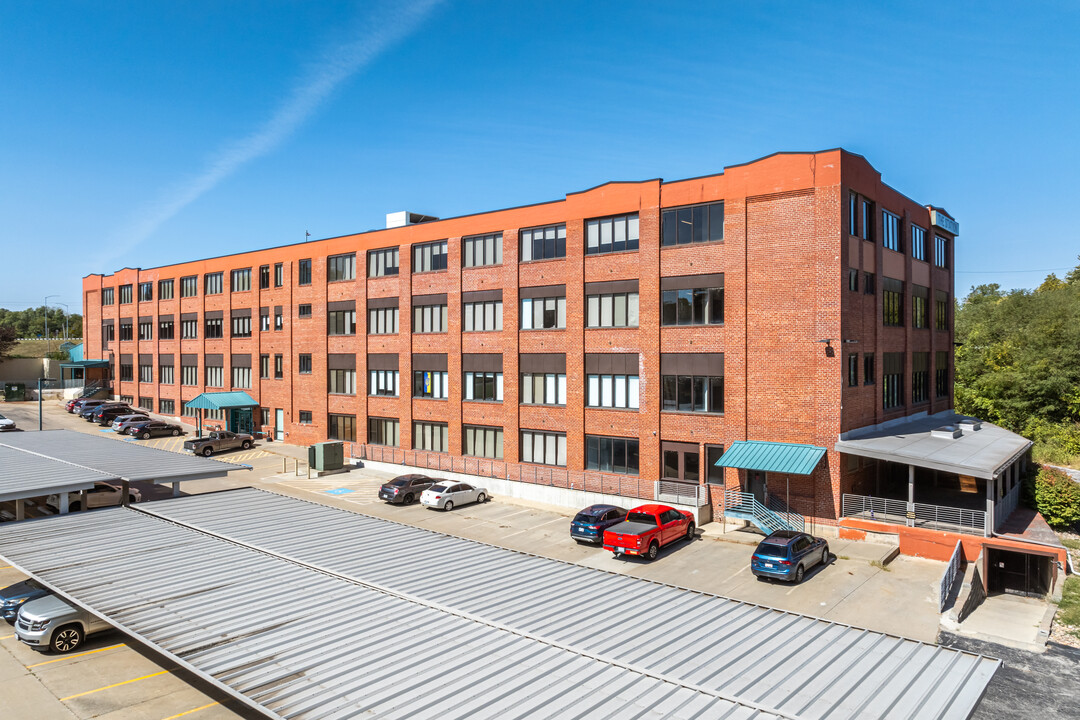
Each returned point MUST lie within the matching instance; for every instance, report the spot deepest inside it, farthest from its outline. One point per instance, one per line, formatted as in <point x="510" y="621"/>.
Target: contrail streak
<point x="383" y="29"/>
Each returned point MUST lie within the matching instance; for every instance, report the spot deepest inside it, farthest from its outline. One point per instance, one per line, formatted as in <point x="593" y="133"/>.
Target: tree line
<point x="1018" y="363"/>
<point x="30" y="323"/>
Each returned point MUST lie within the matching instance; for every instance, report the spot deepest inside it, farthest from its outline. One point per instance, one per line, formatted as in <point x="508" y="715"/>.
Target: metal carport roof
<point x="298" y="643"/>
<point x="776" y="457"/>
<point x="799" y="666"/>
<point x="118" y="459"/>
<point x="26" y="475"/>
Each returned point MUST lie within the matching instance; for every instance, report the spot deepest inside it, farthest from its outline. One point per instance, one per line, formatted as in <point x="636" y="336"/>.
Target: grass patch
<point x="1071" y="543"/>
<point x="1069" y="607"/>
<point x="843" y="557"/>
<point x="880" y="565"/>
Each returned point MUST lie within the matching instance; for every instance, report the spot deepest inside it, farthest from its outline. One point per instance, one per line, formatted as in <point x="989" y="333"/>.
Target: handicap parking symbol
<point x="338" y="491"/>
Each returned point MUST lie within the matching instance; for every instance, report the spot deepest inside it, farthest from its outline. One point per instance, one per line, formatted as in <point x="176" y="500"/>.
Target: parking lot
<point x="113" y="677"/>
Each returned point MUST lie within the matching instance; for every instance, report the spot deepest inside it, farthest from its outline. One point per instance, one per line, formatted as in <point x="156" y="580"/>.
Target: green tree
<point x="31" y="323"/>
<point x="7" y="341"/>
<point x="1057" y="497"/>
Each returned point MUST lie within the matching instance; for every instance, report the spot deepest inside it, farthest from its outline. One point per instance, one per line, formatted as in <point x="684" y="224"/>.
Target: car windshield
<point x="439" y="488"/>
<point x="584" y="517"/>
<point x="399" y="482"/>
<point x="772" y="549"/>
<point x="643" y="518"/>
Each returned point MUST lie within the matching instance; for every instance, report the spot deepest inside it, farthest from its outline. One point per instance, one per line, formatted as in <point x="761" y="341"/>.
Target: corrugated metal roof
<point x="25" y="475"/>
<point x="221" y="400"/>
<point x="299" y="643"/>
<point x="981" y="453"/>
<point x="799" y="666"/>
<point x="789" y="458"/>
<point x="126" y="460"/>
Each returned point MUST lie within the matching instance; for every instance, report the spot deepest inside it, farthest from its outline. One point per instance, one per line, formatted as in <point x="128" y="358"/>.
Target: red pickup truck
<point x="647" y="529"/>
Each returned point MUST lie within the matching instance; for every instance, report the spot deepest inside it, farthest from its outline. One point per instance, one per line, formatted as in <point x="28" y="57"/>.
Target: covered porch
<point x="235" y="407"/>
<point x="942" y="472"/>
<point x="84" y="373"/>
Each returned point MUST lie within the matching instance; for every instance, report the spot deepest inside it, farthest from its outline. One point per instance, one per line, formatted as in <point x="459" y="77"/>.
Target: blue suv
<point x="14" y="596"/>
<point x="589" y="524"/>
<point x="787" y="555"/>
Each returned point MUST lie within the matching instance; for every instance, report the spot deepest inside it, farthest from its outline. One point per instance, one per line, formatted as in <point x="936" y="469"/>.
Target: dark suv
<point x="105" y="414"/>
<point x="404" y="489"/>
<point x="787" y="555"/>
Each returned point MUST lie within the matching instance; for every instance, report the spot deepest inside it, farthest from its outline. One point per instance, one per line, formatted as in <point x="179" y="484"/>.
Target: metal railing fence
<point x="924" y="515"/>
<point x="1004" y="507"/>
<point x="949" y="576"/>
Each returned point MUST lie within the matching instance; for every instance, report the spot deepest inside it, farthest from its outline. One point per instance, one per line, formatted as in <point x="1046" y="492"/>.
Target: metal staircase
<point x="91" y="389"/>
<point x="768" y="518"/>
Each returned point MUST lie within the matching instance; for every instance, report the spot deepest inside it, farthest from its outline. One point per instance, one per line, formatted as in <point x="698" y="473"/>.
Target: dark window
<point x="264" y="368"/>
<point x="189" y="286"/>
<point x="680" y="461"/>
<point x="714" y="475"/>
<point x="127" y="372"/>
<point x="146" y="373"/>
<point x="853" y="369"/>
<point x="868" y="369"/>
<point x="279" y="274"/>
<point x="382" y="262"/>
<point x="107" y="296"/>
<point x="341" y="427"/>
<point x="893" y="387"/>
<point x="869" y="283"/>
<point x="920" y="377"/>
<point x="890" y="230"/>
<point x="941" y="252"/>
<point x="304" y="272"/>
<point x="165" y="291"/>
<point x="241" y="326"/>
<point x="341" y="322"/>
<point x="611" y="454"/>
<point x="383" y="431"/>
<point x="305" y="417"/>
<point x="214" y="328"/>
<point x="165" y="374"/>
<point x="146" y="330"/>
<point x="213" y="284"/>
<point x="240" y="280"/>
<point x="279" y="367"/>
<point x="696" y="306"/>
<point x="126" y="331"/>
<point x="611" y="234"/>
<point x="853" y="213"/>
<point x="543" y="313"/>
<point x="304" y="310"/>
<point x="125" y="294"/>
<point x="341" y="267"/>
<point x="166" y="407"/>
<point x="853" y="280"/>
<point x="304" y="364"/>
<point x="483" y="386"/>
<point x="920" y="311"/>
<point x="918" y="243"/>
<point x="482" y="250"/>
<point x="146" y="292"/>
<point x="893" y="302"/>
<point x="543" y="243"/>
<point x="941" y="310"/>
<point x="264" y="277"/>
<point x="430" y="384"/>
<point x="694" y="224"/>
<point x="867" y="220"/>
<point x="941" y="373"/>
<point x="692" y="393"/>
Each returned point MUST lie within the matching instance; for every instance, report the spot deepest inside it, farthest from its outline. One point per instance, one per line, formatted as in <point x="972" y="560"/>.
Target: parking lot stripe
<point x="7" y="637"/>
<point x="72" y="657"/>
<point x="107" y="687"/>
<point x="6" y="567"/>
<point x="193" y="710"/>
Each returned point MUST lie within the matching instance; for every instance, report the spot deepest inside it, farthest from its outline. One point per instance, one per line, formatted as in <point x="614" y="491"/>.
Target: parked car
<point x="85" y="405"/>
<point x="787" y="555"/>
<point x="101" y="495"/>
<point x="217" y="441"/>
<point x="589" y="524"/>
<point x="70" y="404"/>
<point x="105" y="414"/>
<point x="52" y="623"/>
<point x="648" y="528"/>
<point x="446" y="494"/>
<point x="90" y="407"/>
<point x="404" y="489"/>
<point x="122" y="423"/>
<point x="6" y="423"/>
<point x="154" y="428"/>
<point x="74" y="405"/>
<point x="13" y="596"/>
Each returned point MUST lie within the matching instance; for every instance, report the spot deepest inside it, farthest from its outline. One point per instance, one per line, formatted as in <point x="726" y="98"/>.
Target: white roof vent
<point x="403" y="218"/>
<point x="947" y="432"/>
<point x="971" y="424"/>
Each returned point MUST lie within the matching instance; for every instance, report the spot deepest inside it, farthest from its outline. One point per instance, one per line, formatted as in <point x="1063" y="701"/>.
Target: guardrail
<point x="744" y="504"/>
<point x="949" y="576"/>
<point x="924" y="515"/>
<point x="587" y="481"/>
<point x="1004" y="507"/>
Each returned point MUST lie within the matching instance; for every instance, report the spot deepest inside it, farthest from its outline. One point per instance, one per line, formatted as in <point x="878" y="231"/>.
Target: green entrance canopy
<point x="788" y="458"/>
<point x="85" y="364"/>
<point x="221" y="400"/>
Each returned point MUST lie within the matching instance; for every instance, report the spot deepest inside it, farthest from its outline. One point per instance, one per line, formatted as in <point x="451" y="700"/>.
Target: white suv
<point x="52" y="623"/>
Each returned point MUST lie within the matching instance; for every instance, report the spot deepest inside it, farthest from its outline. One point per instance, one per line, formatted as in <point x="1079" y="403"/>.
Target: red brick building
<point x="624" y="334"/>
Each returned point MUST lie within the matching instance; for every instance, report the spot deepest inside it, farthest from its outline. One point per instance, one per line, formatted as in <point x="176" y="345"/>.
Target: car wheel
<point x="207" y="451"/>
<point x="448" y="506"/>
<point x="132" y="499"/>
<point x="690" y="531"/>
<point x="481" y="498"/>
<point x="799" y="572"/>
<point x="654" y="550"/>
<point x="825" y="554"/>
<point x="66" y="639"/>
<point x="74" y="507"/>
<point x="408" y="500"/>
<point x="175" y="432"/>
<point x="246" y="444"/>
<point x="145" y="436"/>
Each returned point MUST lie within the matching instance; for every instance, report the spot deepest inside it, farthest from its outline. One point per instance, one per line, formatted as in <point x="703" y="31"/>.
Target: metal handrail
<point x="936" y="517"/>
<point x="764" y="518"/>
<point x="949" y="576"/>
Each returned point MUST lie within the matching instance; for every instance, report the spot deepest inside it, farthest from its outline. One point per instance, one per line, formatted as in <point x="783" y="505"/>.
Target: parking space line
<point x="72" y="657"/>
<point x="7" y="637"/>
<point x="125" y="682"/>
<point x="6" y="567"/>
<point x="193" y="710"/>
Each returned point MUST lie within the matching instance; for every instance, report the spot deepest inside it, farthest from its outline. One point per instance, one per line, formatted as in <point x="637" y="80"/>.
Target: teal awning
<point x="85" y="364"/>
<point x="788" y="458"/>
<point x="221" y="400"/>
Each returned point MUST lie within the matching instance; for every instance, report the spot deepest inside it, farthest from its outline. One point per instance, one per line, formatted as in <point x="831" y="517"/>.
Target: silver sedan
<point x="446" y="494"/>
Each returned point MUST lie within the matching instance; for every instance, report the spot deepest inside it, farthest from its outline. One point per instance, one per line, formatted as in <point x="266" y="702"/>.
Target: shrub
<point x="1057" y="497"/>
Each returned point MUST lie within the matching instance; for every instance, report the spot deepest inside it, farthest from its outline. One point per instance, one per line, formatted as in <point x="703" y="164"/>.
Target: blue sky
<point x="140" y="134"/>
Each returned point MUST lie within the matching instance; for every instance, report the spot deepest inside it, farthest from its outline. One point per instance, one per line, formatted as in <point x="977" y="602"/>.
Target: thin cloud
<point x="382" y="29"/>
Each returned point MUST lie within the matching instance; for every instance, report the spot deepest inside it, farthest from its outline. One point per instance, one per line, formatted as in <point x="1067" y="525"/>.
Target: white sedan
<point x="6" y="423"/>
<point x="446" y="494"/>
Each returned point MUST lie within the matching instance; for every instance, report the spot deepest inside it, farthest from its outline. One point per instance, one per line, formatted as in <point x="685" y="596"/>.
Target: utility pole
<point x="48" y="340"/>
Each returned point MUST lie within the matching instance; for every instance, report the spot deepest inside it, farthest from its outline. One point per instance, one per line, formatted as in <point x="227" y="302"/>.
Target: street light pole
<point x="48" y="343"/>
<point x="67" y="311"/>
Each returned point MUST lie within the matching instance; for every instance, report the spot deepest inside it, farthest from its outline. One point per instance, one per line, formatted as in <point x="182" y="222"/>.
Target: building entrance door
<point x="240" y="420"/>
<point x="279" y="424"/>
<point x="758" y="484"/>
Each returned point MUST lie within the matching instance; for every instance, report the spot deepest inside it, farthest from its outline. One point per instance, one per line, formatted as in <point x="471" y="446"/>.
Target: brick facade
<point x="785" y="259"/>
